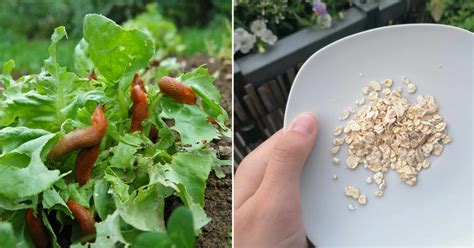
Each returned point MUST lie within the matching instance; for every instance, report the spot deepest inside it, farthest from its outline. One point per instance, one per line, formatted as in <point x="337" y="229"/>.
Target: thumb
<point x="290" y="153"/>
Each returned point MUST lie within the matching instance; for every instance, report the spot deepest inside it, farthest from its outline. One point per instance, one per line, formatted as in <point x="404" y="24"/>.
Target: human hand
<point x="267" y="195"/>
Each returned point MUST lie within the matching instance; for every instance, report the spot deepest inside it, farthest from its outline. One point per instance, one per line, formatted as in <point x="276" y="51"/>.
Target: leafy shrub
<point x="17" y="15"/>
<point x="186" y="13"/>
<point x="457" y="13"/>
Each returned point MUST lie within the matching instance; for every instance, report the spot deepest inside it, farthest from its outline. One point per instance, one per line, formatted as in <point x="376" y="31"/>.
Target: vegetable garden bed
<point x="105" y="156"/>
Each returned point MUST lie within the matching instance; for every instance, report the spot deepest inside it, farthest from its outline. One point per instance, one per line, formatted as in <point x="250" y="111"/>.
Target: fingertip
<point x="306" y="123"/>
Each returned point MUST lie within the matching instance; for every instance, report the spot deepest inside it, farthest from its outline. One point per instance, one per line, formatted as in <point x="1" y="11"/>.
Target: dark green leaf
<point x="50" y="230"/>
<point x="103" y="200"/>
<point x="180" y="228"/>
<point x="52" y="200"/>
<point x="152" y="240"/>
<point x="7" y="237"/>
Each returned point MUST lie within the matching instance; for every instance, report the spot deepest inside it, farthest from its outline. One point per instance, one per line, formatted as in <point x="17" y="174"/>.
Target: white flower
<point x="269" y="38"/>
<point x="243" y="40"/>
<point x="325" y="20"/>
<point x="258" y="27"/>
<point x="239" y="33"/>
<point x="247" y="43"/>
<point x="236" y="46"/>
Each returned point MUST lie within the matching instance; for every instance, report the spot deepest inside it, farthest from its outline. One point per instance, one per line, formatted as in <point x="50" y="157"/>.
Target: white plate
<point x="438" y="210"/>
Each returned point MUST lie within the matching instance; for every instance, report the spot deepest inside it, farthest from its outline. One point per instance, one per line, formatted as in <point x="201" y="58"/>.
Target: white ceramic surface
<point x="438" y="210"/>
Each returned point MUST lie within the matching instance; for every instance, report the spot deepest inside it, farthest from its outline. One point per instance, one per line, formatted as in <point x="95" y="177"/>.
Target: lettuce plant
<point x="133" y="175"/>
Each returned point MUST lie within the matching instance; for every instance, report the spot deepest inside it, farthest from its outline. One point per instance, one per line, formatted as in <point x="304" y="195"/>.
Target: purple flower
<point x="319" y="8"/>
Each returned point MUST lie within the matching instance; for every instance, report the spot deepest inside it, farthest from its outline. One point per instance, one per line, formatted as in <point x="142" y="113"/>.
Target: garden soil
<point x="218" y="195"/>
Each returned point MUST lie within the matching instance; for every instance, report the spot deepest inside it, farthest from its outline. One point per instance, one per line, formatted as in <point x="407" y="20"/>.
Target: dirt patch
<point x="218" y="195"/>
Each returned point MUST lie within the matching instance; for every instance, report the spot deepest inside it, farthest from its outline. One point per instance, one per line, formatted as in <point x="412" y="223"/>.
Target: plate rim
<point x="305" y="64"/>
<point x="291" y="96"/>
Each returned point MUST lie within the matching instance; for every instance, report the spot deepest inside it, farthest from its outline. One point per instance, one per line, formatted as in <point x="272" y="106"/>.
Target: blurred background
<point x="187" y="34"/>
<point x="180" y="28"/>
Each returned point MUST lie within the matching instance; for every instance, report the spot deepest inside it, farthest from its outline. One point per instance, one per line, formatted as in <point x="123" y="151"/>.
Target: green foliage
<point x="213" y="40"/>
<point x="23" y="171"/>
<point x="45" y="100"/>
<point x="17" y="15"/>
<point x="163" y="31"/>
<point x="221" y="49"/>
<point x="132" y="177"/>
<point x="194" y="13"/>
<point x="180" y="233"/>
<point x="115" y="51"/>
<point x="457" y="13"/>
<point x="26" y="25"/>
<point x="7" y="238"/>
<point x="29" y="54"/>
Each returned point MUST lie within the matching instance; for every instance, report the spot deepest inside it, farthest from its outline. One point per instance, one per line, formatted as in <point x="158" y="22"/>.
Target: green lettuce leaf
<point x="114" y="50"/>
<point x="103" y="200"/>
<point x="191" y="170"/>
<point x="153" y="240"/>
<point x="123" y="156"/>
<point x="82" y="62"/>
<point x="118" y="186"/>
<point x="187" y="174"/>
<point x="109" y="233"/>
<point x="17" y="221"/>
<point x="144" y="209"/>
<point x="6" y="77"/>
<point x="180" y="232"/>
<point x="180" y="228"/>
<point x="17" y="204"/>
<point x="49" y="228"/>
<point x="7" y="237"/>
<point x="81" y="194"/>
<point x="190" y="122"/>
<point x="23" y="171"/>
<point x="53" y="200"/>
<point x="46" y="100"/>
<point x="217" y="165"/>
<point x="202" y="84"/>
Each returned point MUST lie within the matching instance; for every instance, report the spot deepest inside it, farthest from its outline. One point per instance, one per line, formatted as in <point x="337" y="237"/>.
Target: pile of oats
<point x="389" y="132"/>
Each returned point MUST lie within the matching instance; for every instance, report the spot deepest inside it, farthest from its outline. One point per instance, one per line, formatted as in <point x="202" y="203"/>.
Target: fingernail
<point x="304" y="123"/>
